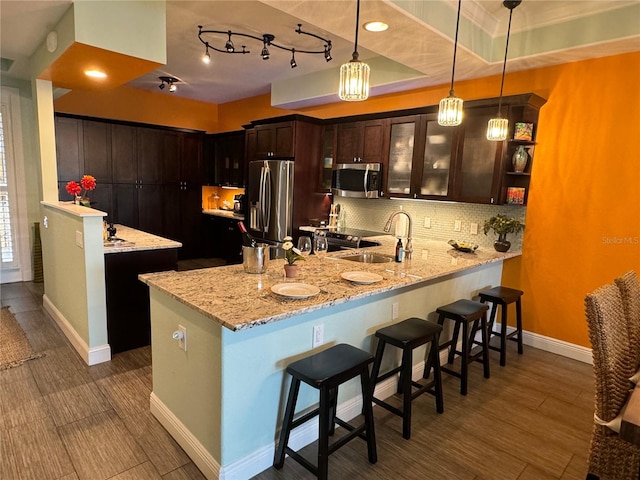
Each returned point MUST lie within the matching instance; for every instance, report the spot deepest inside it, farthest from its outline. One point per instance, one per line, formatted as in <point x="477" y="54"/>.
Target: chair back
<point x="612" y="364"/>
<point x="630" y="292"/>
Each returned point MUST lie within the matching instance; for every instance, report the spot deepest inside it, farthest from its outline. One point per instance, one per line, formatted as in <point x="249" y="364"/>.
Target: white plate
<point x="295" y="290"/>
<point x="362" y="277"/>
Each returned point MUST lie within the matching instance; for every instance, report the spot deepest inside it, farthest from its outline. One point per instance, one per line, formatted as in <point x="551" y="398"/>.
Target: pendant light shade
<point x="498" y="128"/>
<point x="354" y="75"/>
<point x="450" y="110"/>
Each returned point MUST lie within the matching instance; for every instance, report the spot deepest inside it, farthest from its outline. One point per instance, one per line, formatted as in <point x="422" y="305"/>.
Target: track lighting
<point x="267" y="40"/>
<point x="206" y="58"/>
<point x="354" y="75"/>
<point x="171" y="81"/>
<point x="498" y="127"/>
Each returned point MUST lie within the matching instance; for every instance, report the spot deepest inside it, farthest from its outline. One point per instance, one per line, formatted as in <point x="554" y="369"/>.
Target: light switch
<point x="473" y="228"/>
<point x="79" y="239"/>
<point x="457" y="225"/>
<point x="427" y="222"/>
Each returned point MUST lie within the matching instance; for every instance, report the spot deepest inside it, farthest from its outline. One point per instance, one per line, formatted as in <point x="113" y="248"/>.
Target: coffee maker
<point x="238" y="203"/>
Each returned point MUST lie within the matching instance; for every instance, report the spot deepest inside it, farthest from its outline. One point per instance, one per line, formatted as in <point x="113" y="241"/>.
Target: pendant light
<point x="450" y="111"/>
<point x="498" y="127"/>
<point x="354" y="75"/>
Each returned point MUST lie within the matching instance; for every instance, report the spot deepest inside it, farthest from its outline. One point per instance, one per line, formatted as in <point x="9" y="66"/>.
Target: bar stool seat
<point x="326" y="371"/>
<point x="504" y="296"/>
<point x="408" y="335"/>
<point x="465" y="313"/>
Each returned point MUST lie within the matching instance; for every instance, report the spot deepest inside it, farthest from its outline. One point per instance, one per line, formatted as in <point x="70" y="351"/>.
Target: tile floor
<point x="60" y="419"/>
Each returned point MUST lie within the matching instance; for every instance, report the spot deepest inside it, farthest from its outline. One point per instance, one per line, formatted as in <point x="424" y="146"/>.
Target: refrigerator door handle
<point x="261" y="200"/>
<point x="267" y="197"/>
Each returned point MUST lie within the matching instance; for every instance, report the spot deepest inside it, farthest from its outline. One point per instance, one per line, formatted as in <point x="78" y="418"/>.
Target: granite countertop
<point x="136" y="240"/>
<point x="224" y="213"/>
<point x="251" y="302"/>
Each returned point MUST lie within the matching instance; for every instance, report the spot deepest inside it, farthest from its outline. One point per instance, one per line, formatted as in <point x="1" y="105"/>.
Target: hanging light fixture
<point x="354" y="75"/>
<point x="450" y="110"/>
<point x="498" y="127"/>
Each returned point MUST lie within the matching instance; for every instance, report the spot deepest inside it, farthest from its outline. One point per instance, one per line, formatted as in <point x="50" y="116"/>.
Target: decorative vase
<point x="85" y="201"/>
<point x="519" y="159"/>
<point x="502" y="244"/>
<point x="77" y="200"/>
<point x="290" y="271"/>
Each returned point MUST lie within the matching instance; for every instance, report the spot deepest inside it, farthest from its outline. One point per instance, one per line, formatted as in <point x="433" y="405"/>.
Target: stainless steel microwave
<point x="357" y="180"/>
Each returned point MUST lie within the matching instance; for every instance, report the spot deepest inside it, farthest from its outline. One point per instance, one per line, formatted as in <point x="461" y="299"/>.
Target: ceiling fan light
<point x="498" y="129"/>
<point x="354" y="81"/>
<point x="450" y="111"/>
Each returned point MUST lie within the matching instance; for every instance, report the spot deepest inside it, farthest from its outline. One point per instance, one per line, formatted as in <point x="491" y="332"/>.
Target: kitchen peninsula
<point x="222" y="397"/>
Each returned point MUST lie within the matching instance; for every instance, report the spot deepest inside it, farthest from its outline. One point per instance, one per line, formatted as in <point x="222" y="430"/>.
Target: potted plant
<point x="502" y="225"/>
<point x="291" y="255"/>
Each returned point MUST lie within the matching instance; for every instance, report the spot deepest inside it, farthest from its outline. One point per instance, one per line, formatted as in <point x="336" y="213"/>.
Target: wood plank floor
<point x="60" y="419"/>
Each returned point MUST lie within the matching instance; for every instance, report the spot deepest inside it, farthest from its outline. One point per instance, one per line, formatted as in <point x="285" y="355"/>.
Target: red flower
<point x="88" y="182"/>
<point x="74" y="189"/>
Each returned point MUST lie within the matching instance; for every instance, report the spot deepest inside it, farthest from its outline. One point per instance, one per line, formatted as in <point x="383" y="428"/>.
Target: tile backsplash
<point x="373" y="214"/>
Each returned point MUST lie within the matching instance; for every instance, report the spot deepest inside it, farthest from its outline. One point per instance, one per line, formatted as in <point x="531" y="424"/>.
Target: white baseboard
<point x="208" y="465"/>
<point x="91" y="356"/>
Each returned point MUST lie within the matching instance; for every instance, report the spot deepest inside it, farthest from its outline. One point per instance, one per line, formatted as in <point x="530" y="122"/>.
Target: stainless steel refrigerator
<point x="270" y="197"/>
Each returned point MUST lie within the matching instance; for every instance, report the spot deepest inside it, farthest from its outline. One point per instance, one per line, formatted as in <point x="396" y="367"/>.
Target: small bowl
<point x="462" y="247"/>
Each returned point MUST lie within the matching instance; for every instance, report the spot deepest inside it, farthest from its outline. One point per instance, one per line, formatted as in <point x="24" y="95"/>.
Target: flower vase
<point x="77" y="200"/>
<point x="520" y="159"/>
<point x="502" y="244"/>
<point x="290" y="271"/>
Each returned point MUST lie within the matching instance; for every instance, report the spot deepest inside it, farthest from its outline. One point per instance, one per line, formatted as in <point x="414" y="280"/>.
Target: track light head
<point x="293" y="62"/>
<point x="171" y="81"/>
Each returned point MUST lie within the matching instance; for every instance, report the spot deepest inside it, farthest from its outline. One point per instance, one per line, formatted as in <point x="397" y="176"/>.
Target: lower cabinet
<point x="128" y="317"/>
<point x="222" y="239"/>
<point x="182" y="209"/>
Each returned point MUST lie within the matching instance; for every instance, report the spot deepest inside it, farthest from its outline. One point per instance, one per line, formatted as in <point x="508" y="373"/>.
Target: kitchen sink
<point x="368" y="257"/>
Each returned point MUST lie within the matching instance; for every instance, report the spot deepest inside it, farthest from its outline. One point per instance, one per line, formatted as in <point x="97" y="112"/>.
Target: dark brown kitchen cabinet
<point x="479" y="160"/>
<point x="97" y="150"/>
<point x="123" y="153"/>
<point x="182" y="192"/>
<point x="327" y="157"/>
<point x="222" y="239"/>
<point x="69" y="150"/>
<point x="419" y="163"/>
<point x="275" y="140"/>
<point x="225" y="161"/>
<point x="150" y="154"/>
<point x="139" y="206"/>
<point x="363" y="141"/>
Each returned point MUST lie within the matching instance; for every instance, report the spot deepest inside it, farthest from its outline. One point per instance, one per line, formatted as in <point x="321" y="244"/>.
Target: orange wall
<point x="583" y="226"/>
<point x="143" y="106"/>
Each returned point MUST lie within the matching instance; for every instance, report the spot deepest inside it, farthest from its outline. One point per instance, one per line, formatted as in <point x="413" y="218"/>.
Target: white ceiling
<point x="544" y="32"/>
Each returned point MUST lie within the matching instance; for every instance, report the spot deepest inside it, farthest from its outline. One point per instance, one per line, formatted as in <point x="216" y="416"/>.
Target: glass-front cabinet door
<point x="436" y="177"/>
<point x="402" y="133"/>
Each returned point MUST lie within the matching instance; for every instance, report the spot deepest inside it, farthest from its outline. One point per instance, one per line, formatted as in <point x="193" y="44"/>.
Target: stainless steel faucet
<point x="408" y="249"/>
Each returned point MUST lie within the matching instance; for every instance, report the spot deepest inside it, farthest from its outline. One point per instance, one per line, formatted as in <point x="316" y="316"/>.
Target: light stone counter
<point x="136" y="240"/>
<point x="224" y="213"/>
<point x="240" y="301"/>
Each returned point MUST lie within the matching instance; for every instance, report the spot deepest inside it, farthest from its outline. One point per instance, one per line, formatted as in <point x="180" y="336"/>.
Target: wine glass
<point x="321" y="246"/>
<point x="304" y="245"/>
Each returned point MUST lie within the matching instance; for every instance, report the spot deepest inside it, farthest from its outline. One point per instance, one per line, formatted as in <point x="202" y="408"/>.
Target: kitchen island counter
<point x="251" y="302"/>
<point x="219" y="393"/>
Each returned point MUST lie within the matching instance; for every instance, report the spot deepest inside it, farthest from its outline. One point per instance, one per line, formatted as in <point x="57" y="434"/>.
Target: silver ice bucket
<point x="255" y="259"/>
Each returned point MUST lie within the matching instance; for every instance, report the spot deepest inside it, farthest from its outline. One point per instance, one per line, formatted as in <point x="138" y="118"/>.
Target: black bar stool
<point x="503" y="296"/>
<point x="326" y="371"/>
<point x="407" y="335"/>
<point x="465" y="312"/>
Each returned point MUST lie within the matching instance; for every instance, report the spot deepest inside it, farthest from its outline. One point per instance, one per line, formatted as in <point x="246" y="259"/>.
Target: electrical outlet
<point x="79" y="239"/>
<point x="457" y="226"/>
<point x="427" y="222"/>
<point x="181" y="336"/>
<point x="473" y="228"/>
<point x="394" y="311"/>
<point x="318" y="336"/>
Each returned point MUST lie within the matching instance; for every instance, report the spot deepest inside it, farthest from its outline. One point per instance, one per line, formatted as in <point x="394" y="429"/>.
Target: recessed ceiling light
<point x="95" y="74"/>
<point x="375" y="26"/>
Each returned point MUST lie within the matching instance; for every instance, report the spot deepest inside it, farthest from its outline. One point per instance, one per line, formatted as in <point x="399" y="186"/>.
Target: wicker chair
<point x="610" y="457"/>
<point x="630" y="291"/>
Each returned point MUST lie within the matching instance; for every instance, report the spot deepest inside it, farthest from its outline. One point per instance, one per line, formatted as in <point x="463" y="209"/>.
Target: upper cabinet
<point x="363" y="141"/>
<point x="275" y="140"/>
<point x="420" y="158"/>
<point x="225" y="163"/>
